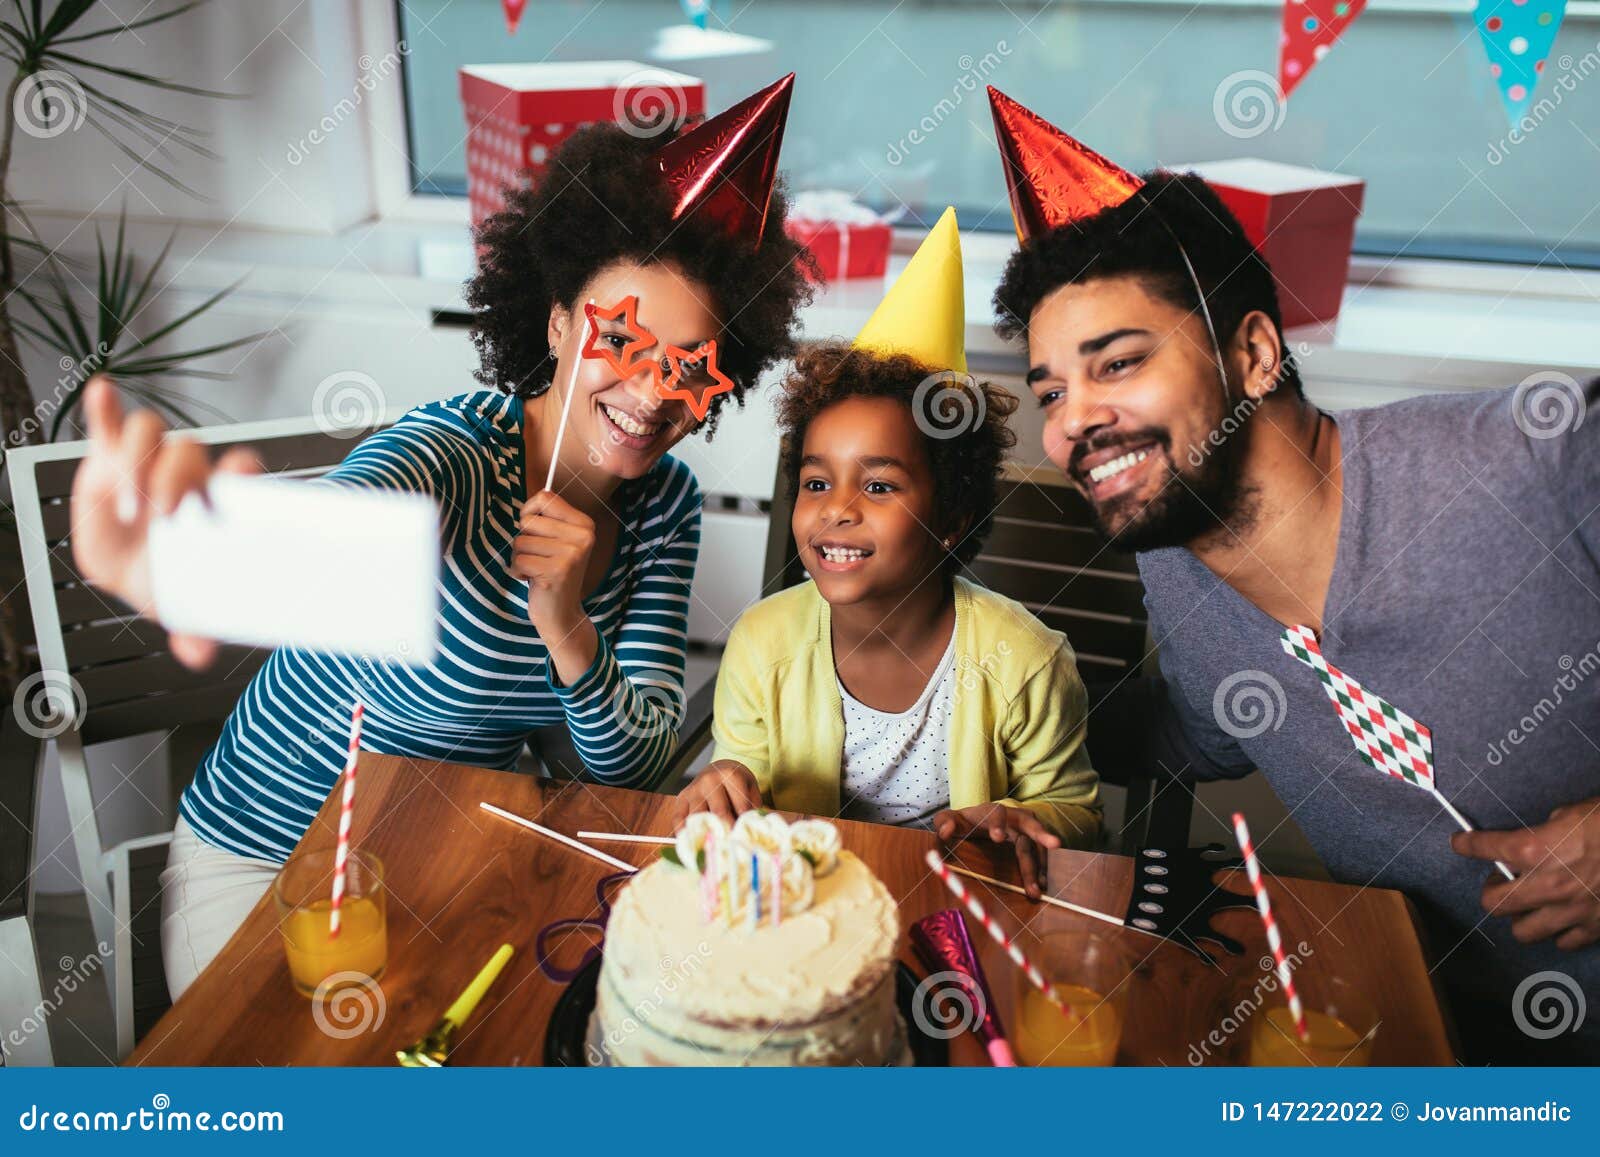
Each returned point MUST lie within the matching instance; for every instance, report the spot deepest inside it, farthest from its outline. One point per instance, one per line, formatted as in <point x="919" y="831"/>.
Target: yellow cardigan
<point x="1017" y="723"/>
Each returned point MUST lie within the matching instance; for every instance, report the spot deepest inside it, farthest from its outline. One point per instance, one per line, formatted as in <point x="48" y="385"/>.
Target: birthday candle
<point x="708" y="902"/>
<point x="723" y="865"/>
<point x="755" y="893"/>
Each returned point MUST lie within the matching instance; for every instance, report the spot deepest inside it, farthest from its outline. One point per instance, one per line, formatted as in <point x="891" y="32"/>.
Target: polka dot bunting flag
<point x="513" y="13"/>
<point x="1310" y="28"/>
<point x="1517" y="36"/>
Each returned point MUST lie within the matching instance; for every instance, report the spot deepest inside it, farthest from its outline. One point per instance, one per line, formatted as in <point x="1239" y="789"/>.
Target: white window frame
<point x="397" y="202"/>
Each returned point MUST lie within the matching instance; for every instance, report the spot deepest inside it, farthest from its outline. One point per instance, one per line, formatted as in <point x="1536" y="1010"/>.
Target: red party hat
<point x="725" y="166"/>
<point x="1052" y="178"/>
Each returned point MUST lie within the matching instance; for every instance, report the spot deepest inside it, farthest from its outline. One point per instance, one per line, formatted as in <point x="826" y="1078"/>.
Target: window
<point x="890" y="103"/>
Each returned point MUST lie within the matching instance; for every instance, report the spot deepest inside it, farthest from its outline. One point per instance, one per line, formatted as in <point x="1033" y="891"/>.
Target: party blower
<point x="433" y="1050"/>
<point x="942" y="943"/>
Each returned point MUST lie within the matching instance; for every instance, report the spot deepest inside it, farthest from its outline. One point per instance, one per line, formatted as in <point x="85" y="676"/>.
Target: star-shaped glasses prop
<point x="687" y="375"/>
<point x="693" y="377"/>
<point x="626" y="361"/>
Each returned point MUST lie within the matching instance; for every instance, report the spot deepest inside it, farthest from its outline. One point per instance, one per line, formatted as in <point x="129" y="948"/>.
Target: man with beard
<point x="1442" y="550"/>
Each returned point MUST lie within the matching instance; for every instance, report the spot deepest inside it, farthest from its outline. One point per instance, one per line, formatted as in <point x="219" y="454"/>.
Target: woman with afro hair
<point x="565" y="604"/>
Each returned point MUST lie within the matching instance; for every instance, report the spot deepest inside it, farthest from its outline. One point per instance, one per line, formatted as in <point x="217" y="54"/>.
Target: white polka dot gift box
<point x="518" y="113"/>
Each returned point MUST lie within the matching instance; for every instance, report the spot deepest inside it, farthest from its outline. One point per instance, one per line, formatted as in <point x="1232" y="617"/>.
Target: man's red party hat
<point x="725" y="166"/>
<point x="1052" y="178"/>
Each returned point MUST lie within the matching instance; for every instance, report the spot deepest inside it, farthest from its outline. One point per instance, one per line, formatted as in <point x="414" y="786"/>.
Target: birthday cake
<point x="763" y="944"/>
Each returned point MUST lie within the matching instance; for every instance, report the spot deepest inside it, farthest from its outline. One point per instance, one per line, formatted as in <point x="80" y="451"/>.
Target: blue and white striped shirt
<point x="283" y="747"/>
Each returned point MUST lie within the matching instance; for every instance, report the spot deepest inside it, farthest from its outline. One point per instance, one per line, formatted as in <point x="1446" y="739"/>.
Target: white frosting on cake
<point x="816" y="988"/>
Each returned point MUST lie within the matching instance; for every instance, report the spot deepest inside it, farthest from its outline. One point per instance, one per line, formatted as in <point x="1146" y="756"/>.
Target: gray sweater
<point x="1466" y="592"/>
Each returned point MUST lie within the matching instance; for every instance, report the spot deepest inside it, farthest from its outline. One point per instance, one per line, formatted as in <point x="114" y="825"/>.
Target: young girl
<point x="890" y="688"/>
<point x="557" y="605"/>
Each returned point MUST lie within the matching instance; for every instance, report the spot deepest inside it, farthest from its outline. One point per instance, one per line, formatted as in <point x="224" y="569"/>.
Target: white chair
<point x="25" y="1037"/>
<point x="114" y="678"/>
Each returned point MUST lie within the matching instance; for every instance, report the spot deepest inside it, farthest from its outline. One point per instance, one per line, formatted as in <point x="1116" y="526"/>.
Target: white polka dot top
<point x="896" y="766"/>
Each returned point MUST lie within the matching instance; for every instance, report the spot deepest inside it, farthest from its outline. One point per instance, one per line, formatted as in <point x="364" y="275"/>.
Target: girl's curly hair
<point x="601" y="200"/>
<point x="962" y="422"/>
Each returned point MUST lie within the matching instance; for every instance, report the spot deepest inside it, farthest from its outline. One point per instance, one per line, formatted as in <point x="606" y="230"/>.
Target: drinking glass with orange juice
<point x="1089" y="973"/>
<point x="319" y="962"/>
<point x="1341" y="1025"/>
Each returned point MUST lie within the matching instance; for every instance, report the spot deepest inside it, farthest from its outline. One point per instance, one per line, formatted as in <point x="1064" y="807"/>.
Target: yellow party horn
<point x="433" y="1050"/>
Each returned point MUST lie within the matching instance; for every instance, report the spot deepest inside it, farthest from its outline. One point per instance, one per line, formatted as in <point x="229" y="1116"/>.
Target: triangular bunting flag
<point x="1310" y="29"/>
<point x="1517" y="35"/>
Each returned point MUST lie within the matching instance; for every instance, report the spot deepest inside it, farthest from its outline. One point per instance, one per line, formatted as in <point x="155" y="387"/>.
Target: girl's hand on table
<point x="134" y="470"/>
<point x="726" y="788"/>
<point x="1004" y="825"/>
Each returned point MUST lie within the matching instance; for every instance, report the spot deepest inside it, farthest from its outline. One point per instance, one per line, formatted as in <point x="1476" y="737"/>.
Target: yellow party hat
<point x="924" y="314"/>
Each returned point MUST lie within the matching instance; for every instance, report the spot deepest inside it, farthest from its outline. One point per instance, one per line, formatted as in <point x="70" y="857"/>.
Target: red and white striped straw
<point x="341" y="852"/>
<point x="1252" y="868"/>
<point x="1018" y="957"/>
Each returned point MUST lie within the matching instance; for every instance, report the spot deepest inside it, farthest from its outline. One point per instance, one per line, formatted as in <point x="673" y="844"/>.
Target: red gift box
<point x="1302" y="220"/>
<point x="845" y="251"/>
<point x="518" y="113"/>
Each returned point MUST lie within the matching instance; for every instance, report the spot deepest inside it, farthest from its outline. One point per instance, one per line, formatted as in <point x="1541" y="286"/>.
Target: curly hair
<point x="1136" y="239"/>
<point x="601" y="201"/>
<point x="962" y="422"/>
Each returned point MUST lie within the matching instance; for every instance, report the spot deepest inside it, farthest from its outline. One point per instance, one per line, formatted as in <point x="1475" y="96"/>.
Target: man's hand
<point x="724" y="788"/>
<point x="1557" y="889"/>
<point x="1005" y="825"/>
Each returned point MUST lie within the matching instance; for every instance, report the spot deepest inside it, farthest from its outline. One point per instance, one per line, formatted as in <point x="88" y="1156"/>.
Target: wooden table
<point x="462" y="881"/>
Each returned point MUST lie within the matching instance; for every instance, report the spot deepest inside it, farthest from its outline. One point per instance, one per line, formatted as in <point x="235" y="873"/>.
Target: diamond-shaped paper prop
<point x="1310" y="30"/>
<point x="1386" y="737"/>
<point x="626" y="362"/>
<point x="693" y="377"/>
